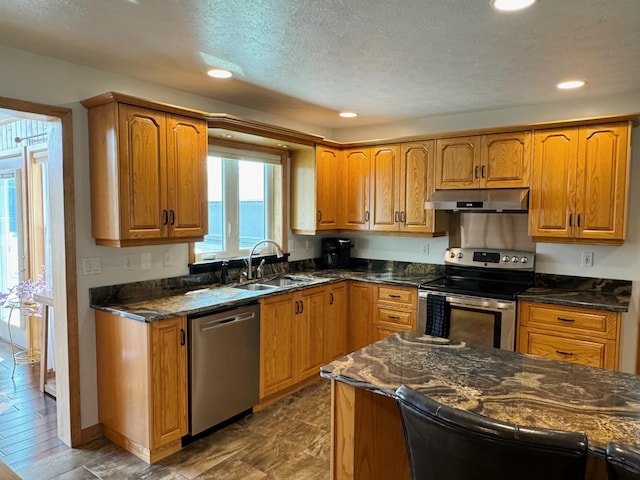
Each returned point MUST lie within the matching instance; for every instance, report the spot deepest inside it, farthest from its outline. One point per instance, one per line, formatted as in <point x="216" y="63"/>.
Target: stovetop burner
<point x="490" y="273"/>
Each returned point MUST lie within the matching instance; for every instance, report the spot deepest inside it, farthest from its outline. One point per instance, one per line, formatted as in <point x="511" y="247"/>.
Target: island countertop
<point x="508" y="386"/>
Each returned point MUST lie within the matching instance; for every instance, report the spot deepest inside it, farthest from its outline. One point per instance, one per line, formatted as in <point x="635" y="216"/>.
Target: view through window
<point x="242" y="205"/>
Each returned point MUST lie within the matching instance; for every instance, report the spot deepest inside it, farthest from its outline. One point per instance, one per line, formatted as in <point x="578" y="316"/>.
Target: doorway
<point x="47" y="239"/>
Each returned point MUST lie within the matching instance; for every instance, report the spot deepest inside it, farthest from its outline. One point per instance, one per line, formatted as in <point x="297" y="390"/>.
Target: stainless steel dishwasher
<point x="224" y="365"/>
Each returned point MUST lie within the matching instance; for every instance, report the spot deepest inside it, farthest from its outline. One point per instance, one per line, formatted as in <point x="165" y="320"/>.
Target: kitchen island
<point x="367" y="434"/>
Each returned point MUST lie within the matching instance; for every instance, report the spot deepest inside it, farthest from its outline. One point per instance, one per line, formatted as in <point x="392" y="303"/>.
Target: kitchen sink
<point x="256" y="286"/>
<point x="284" y="281"/>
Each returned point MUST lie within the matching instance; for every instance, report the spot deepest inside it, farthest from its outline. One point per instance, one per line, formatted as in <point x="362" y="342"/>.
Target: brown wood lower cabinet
<point x="142" y="383"/>
<point x="300" y="332"/>
<point x="360" y="333"/>
<point x="579" y="335"/>
<point x="395" y="310"/>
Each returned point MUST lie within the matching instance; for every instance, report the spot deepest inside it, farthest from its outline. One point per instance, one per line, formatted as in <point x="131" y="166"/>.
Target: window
<point x="245" y="200"/>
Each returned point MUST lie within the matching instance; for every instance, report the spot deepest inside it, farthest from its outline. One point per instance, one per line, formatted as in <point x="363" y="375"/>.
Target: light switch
<point x="145" y="261"/>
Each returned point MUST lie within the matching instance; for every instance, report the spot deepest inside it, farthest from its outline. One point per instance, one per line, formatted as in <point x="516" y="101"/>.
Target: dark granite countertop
<point x="576" y="298"/>
<point x="597" y="293"/>
<point x="508" y="386"/>
<point x="201" y="298"/>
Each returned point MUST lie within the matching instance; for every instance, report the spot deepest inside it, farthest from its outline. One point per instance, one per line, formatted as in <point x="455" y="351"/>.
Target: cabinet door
<point x="601" y="194"/>
<point x="416" y="182"/>
<point x="585" y="351"/>
<point x="552" y="193"/>
<point x="356" y="188"/>
<point x="360" y="324"/>
<point x="506" y="160"/>
<point x="329" y="188"/>
<point x="168" y="380"/>
<point x="277" y="369"/>
<point x="385" y="172"/>
<point x="458" y="162"/>
<point x="309" y="340"/>
<point x="143" y="175"/>
<point x="335" y="325"/>
<point x="186" y="207"/>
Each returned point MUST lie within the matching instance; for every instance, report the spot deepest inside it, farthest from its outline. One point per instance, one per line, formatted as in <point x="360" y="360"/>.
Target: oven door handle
<point x="473" y="302"/>
<point x="488" y="304"/>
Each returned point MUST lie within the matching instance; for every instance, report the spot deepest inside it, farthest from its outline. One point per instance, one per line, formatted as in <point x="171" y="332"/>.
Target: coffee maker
<point x="336" y="252"/>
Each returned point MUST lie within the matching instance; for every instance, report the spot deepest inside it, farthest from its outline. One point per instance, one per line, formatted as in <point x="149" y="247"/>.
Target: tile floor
<point x="288" y="440"/>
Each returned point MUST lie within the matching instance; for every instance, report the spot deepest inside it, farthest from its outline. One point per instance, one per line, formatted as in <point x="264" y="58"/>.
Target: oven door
<point x="475" y="320"/>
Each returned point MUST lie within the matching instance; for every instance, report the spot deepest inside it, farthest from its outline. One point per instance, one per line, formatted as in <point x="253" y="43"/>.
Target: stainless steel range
<point x="475" y="301"/>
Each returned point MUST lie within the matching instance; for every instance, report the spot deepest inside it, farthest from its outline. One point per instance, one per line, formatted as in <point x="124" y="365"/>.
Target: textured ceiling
<point x="389" y="60"/>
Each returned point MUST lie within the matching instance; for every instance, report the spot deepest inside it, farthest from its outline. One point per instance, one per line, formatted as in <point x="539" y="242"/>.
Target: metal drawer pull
<point x="391" y="295"/>
<point x="570" y="219"/>
<point x="569" y="320"/>
<point x="394" y="317"/>
<point x="568" y="354"/>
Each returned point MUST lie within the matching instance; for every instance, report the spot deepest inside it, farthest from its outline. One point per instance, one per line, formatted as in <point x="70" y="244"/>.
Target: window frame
<point x="278" y="185"/>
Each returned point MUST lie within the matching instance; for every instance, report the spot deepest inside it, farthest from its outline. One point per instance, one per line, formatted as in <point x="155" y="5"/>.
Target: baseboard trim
<point x="89" y="434"/>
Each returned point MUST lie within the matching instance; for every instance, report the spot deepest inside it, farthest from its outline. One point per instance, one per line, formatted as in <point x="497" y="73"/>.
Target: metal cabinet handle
<point x="482" y="171"/>
<point x="560" y="352"/>
<point x="172" y="215"/>
<point x="475" y="172"/>
<point x="395" y="217"/>
<point x="331" y="298"/>
<point x="183" y="337"/>
<point x="391" y="295"/>
<point x="394" y="317"/>
<point x="297" y="308"/>
<point x="571" y="219"/>
<point x="568" y="320"/>
<point x="366" y="216"/>
<point x="579" y="219"/>
<point x="301" y="306"/>
<point x="165" y="217"/>
<point x="402" y="217"/>
<point x="319" y="215"/>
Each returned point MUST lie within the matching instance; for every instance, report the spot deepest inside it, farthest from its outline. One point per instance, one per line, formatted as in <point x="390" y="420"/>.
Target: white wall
<point x="609" y="262"/>
<point x="39" y="79"/>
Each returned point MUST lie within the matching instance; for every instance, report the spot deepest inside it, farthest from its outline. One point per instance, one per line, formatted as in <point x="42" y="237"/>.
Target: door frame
<point x="65" y="294"/>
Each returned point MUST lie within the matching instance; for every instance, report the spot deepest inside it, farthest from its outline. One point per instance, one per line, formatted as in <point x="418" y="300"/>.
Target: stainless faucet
<point x="279" y="254"/>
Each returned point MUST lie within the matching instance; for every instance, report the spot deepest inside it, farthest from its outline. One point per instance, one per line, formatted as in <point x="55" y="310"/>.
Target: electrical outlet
<point x="128" y="262"/>
<point x="587" y="259"/>
<point x="425" y="249"/>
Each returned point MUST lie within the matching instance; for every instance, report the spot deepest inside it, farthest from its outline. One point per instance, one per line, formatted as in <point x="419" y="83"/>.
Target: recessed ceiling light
<point x="348" y="114"/>
<point x="219" y="73"/>
<point x="512" y="5"/>
<point x="570" y="84"/>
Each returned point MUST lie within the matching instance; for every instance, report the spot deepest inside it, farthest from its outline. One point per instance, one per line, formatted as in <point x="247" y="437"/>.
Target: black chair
<point x="445" y="443"/>
<point x="623" y="463"/>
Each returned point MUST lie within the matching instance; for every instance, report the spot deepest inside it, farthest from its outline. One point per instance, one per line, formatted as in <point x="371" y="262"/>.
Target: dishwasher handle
<point x="219" y="322"/>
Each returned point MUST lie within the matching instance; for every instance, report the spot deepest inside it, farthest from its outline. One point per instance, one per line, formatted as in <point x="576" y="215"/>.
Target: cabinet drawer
<point x="396" y="318"/>
<point x="585" y="352"/>
<point x="578" y="320"/>
<point x="402" y="296"/>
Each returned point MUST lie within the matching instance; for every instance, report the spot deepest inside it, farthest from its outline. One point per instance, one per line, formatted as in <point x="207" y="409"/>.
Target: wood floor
<point x="286" y="441"/>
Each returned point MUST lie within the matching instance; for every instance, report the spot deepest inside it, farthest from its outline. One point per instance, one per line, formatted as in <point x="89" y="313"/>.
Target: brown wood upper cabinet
<point x="355" y="189"/>
<point x="579" y="190"/>
<point x="401" y="180"/>
<point x="148" y="175"/>
<point x="500" y="160"/>
<point x="316" y="190"/>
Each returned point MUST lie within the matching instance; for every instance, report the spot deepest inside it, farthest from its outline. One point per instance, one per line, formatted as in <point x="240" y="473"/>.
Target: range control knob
<point x="524" y="260"/>
<point x="452" y="255"/>
<point x="459" y="254"/>
<point x="515" y="259"/>
<point x="506" y="258"/>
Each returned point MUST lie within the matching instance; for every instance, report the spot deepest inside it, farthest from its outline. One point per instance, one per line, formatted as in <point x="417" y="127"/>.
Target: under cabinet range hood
<point x="481" y="200"/>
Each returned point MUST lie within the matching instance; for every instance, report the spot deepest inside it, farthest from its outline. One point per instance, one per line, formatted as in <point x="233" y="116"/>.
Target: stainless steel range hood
<point x="481" y="200"/>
